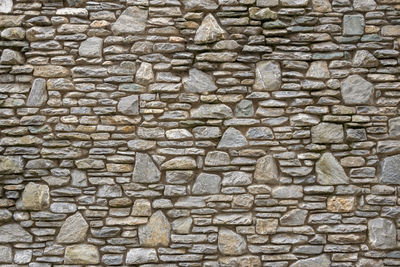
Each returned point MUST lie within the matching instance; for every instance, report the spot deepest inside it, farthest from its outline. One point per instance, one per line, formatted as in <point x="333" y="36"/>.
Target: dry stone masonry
<point x="200" y="133"/>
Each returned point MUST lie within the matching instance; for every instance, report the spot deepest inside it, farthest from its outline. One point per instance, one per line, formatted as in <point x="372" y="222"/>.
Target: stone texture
<point x="199" y="82"/>
<point x="13" y="232"/>
<point x="320" y="261"/>
<point x="156" y="232"/>
<point x="268" y="76"/>
<point x="364" y="59"/>
<point x="38" y="94"/>
<point x="5" y="254"/>
<point x="91" y="47"/>
<point x="232" y="138"/>
<point x="382" y="234"/>
<point x="327" y="133"/>
<point x="145" y="170"/>
<point x="81" y="254"/>
<point x="6" y="6"/>
<point x="356" y="90"/>
<point x="11" y="164"/>
<point x="266" y="170"/>
<point x="294" y="217"/>
<point x="353" y="25"/>
<point x="364" y="5"/>
<point x="131" y="16"/>
<point x="206" y="184"/>
<point x="73" y="230"/>
<point x="230" y="243"/>
<point x="318" y="70"/>
<point x="212" y="111"/>
<point x="35" y="197"/>
<point x="141" y="255"/>
<point x="322" y="5"/>
<point x="341" y="204"/>
<point x="209" y="31"/>
<point x="390" y="170"/>
<point x="129" y="105"/>
<point x="11" y="57"/>
<point x="329" y="171"/>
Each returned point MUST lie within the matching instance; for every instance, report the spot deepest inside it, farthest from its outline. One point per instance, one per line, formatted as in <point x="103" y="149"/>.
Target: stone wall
<point x="200" y="133"/>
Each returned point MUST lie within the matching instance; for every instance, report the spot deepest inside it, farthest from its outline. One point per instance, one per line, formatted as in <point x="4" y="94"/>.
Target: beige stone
<point x="266" y="226"/>
<point x="341" y="203"/>
<point x="81" y="254"/>
<point x="35" y="197"/>
<point x="156" y="232"/>
<point x="50" y="71"/>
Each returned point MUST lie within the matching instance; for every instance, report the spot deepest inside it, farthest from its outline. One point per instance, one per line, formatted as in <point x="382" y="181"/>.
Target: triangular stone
<point x="199" y="82"/>
<point x="364" y="59"/>
<point x="209" y="31"/>
<point x="73" y="229"/>
<point x="232" y="138"/>
<point x="266" y="170"/>
<point x="38" y="94"/>
<point x="329" y="171"/>
<point x="156" y="232"/>
<point x="132" y="20"/>
<point x="145" y="170"/>
<point x="318" y="70"/>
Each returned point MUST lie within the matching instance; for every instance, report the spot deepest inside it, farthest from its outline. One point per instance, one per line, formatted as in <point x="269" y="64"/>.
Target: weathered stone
<point x="266" y="226"/>
<point x="322" y="5"/>
<point x="260" y="133"/>
<point x="369" y="263"/>
<point x="89" y="163"/>
<point x="302" y="119"/>
<point x="11" y="21"/>
<point x="199" y="82"/>
<point x="5" y="215"/>
<point x="38" y="94"/>
<point x="6" y="6"/>
<point x="329" y="171"/>
<point x="389" y="30"/>
<point x="394" y="127"/>
<point x="268" y="76"/>
<point x="145" y="170"/>
<point x="231" y="243"/>
<point x="179" y="163"/>
<point x="81" y="254"/>
<point x="68" y="11"/>
<point x="141" y="207"/>
<point x="182" y="225"/>
<point x="209" y="31"/>
<point x="11" y="57"/>
<point x="365" y="59"/>
<point x="353" y="25"/>
<point x="294" y="217"/>
<point x="318" y="70"/>
<point x="35" y="197"/>
<point x="244" y="109"/>
<point x="73" y="230"/>
<point x="141" y="255"/>
<point x="364" y="5"/>
<point x="144" y="74"/>
<point x="233" y="219"/>
<point x="327" y="133"/>
<point x="266" y="170"/>
<point x="232" y="138"/>
<point x="217" y="158"/>
<point x="11" y="164"/>
<point x="290" y="191"/>
<point x="390" y="167"/>
<point x="320" y="261"/>
<point x="14" y="33"/>
<point x="382" y="234"/>
<point x="50" y="71"/>
<point x="109" y="191"/>
<point x="212" y="111"/>
<point x="91" y="47"/>
<point x="131" y="21"/>
<point x="156" y="232"/>
<point x="341" y="204"/>
<point x="207" y="184"/>
<point x="200" y="5"/>
<point x="129" y="105"/>
<point x="5" y="254"/>
<point x="262" y="13"/>
<point x="13" y="232"/>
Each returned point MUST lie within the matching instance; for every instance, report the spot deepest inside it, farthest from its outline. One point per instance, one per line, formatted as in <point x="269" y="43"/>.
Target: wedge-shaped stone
<point x="81" y="254"/>
<point x="294" y="217"/>
<point x="268" y="76"/>
<point x="145" y="170"/>
<point x="356" y="90"/>
<point x="199" y="82"/>
<point x="320" y="261"/>
<point x="35" y="197"/>
<point x="209" y="31"/>
<point x="232" y="138"/>
<point x="132" y="20"/>
<point x="212" y="111"/>
<point x="156" y="232"/>
<point x="266" y="170"/>
<point x="13" y="232"/>
<point x="318" y="70"/>
<point x="73" y="230"/>
<point x="145" y="74"/>
<point x="329" y="171"/>
<point x="382" y="234"/>
<point x="231" y="243"/>
<point x="207" y="184"/>
<point x="11" y="164"/>
<point x="364" y="59"/>
<point x="38" y="94"/>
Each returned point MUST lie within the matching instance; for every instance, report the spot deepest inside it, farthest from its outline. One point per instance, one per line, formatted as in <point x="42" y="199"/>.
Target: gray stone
<point x="38" y="94"/>
<point x="382" y="234"/>
<point x="302" y="119"/>
<point x="5" y="254"/>
<point x="266" y="170"/>
<point x="364" y="59"/>
<point x="260" y="133"/>
<point x="233" y="219"/>
<point x="356" y="90"/>
<point x="199" y="82"/>
<point x="156" y="232"/>
<point x="327" y="133"/>
<point x="129" y="105"/>
<point x="35" y="197"/>
<point x="207" y="132"/>
<point x="141" y="145"/>
<point x="217" y="158"/>
<point x="141" y="255"/>
<point x="81" y="254"/>
<point x="182" y="225"/>
<point x="232" y="138"/>
<point x="91" y="47"/>
<point x="14" y="33"/>
<point x="132" y="21"/>
<point x="23" y="256"/>
<point x="390" y="173"/>
<point x="145" y="74"/>
<point x="262" y="13"/>
<point x="329" y="171"/>
<point x="289" y="191"/>
<point x="353" y="25"/>
<point x="73" y="230"/>
<point x="320" y="261"/>
<point x="200" y="5"/>
<point x="11" y="57"/>
<point x="236" y="178"/>
<point x="244" y="109"/>
<point x="145" y="170"/>
<point x="322" y="5"/>
<point x="207" y="184"/>
<point x="11" y="165"/>
<point x="294" y="217"/>
<point x="318" y="70"/>
<point x="68" y="11"/>
<point x="212" y="111"/>
<point x="109" y="191"/>
<point x="268" y="76"/>
<point x="179" y="163"/>
<point x="6" y="6"/>
<point x="89" y="163"/>
<point x="231" y="243"/>
<point x="369" y="263"/>
<point x="5" y="215"/>
<point x="364" y="5"/>
<point x="394" y="127"/>
<point x="79" y="178"/>
<point x="294" y="3"/>
<point x="11" y="233"/>
<point x="209" y="31"/>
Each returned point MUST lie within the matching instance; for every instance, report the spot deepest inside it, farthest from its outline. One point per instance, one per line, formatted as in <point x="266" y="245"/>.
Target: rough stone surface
<point x="11" y="164"/>
<point x="207" y="184"/>
<point x="199" y="82"/>
<point x="266" y="170"/>
<point x="156" y="232"/>
<point x="209" y="31"/>
<point x="91" y="47"/>
<point x="231" y="243"/>
<point x="141" y="255"/>
<point x="320" y="261"/>
<point x="6" y="6"/>
<point x="131" y="21"/>
<point x="382" y="234"/>
<point x="327" y="133"/>
<point x="268" y="76"/>
<point x="35" y="197"/>
<point x="356" y="90"/>
<point x="129" y="105"/>
<point x="329" y="171"/>
<point x="232" y="138"/>
<point x="81" y="254"/>
<point x="353" y="25"/>
<point x="38" y="94"/>
<point x="390" y="173"/>
<point x="73" y="229"/>
<point x="13" y="232"/>
<point x="145" y="170"/>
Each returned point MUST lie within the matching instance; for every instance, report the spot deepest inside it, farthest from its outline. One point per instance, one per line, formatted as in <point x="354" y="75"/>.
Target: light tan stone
<point x="341" y="203"/>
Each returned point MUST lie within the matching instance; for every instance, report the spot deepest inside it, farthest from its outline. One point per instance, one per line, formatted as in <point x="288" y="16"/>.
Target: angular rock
<point x="156" y="232"/>
<point x="209" y="31"/>
<point x="260" y="133"/>
<point x="290" y="191"/>
<point x="294" y="217"/>
<point x="6" y="6"/>
<point x="394" y="127"/>
<point x="318" y="70"/>
<point x="82" y="254"/>
<point x="132" y="21"/>
<point x="35" y="197"/>
<point x="91" y="47"/>
<point x="329" y="171"/>
<point x="145" y="170"/>
<point x="382" y="234"/>
<point x="236" y="178"/>
<point x="79" y="12"/>
<point x="266" y="226"/>
<point x="341" y="204"/>
<point x="327" y="133"/>
<point x="320" y="261"/>
<point x="144" y="74"/>
<point x="262" y="13"/>
<point x="231" y="243"/>
<point x="233" y="219"/>
<point x="266" y="170"/>
<point x="141" y="207"/>
<point x="141" y="255"/>
<point x="179" y="163"/>
<point x="13" y="232"/>
<point x="206" y="184"/>
<point x="294" y="3"/>
<point x="200" y="5"/>
<point x="11" y="164"/>
<point x="217" y="158"/>
<point x="302" y="119"/>
<point x="232" y="138"/>
<point x="38" y="94"/>
<point x="182" y="225"/>
<point x="212" y="111"/>
<point x="356" y="90"/>
<point x="364" y="59"/>
<point x="364" y="5"/>
<point x="129" y="105"/>
<point x="353" y="25"/>
<point x="244" y="109"/>
<point x="387" y="30"/>
<point x="11" y="57"/>
<point x="79" y="178"/>
<point x="73" y="230"/>
<point x="268" y="76"/>
<point x="199" y="82"/>
<point x="321" y="5"/>
<point x="370" y="263"/>
<point x="14" y="33"/>
<point x="390" y="170"/>
<point x="5" y="254"/>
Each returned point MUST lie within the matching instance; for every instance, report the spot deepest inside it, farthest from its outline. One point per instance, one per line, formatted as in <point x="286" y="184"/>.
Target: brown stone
<point x="341" y="204"/>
